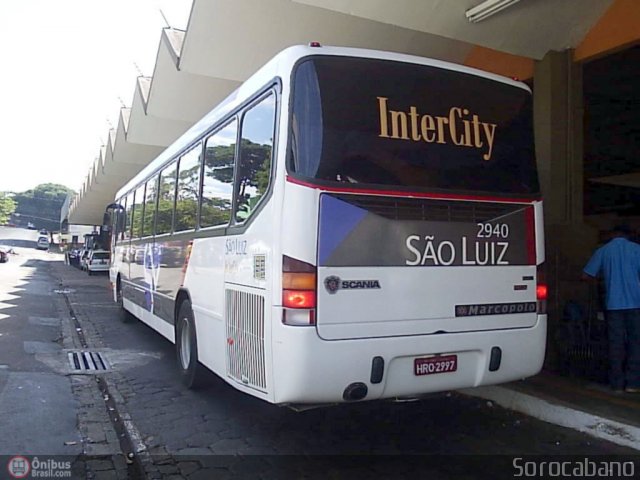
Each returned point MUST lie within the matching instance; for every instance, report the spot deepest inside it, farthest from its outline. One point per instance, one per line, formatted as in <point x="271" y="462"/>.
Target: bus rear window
<point x="379" y="123"/>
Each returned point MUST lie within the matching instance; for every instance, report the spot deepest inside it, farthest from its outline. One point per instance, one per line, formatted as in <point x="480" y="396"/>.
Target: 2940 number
<point x="497" y="230"/>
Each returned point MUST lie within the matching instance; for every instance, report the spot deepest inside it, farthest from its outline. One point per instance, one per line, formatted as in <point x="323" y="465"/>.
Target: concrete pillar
<point x="558" y="123"/>
<point x="558" y="128"/>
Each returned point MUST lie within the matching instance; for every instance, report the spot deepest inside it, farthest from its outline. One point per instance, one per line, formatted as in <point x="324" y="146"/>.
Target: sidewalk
<point x="584" y="406"/>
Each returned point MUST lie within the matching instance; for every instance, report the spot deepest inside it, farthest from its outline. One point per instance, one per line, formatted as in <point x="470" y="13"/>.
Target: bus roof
<point x="280" y="66"/>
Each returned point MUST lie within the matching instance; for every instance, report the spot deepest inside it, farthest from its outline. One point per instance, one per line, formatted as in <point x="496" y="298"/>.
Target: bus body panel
<point x="299" y="226"/>
<point x="424" y="300"/>
<point x="400" y="266"/>
<point x="227" y="278"/>
<point x="204" y="282"/>
<point x="155" y="322"/>
<point x="167" y="267"/>
<point x="539" y="228"/>
<point x="318" y="371"/>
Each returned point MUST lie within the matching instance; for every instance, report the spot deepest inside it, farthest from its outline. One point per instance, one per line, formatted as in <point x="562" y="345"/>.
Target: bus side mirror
<point x="121" y="221"/>
<point x="113" y="220"/>
<point x="106" y="222"/>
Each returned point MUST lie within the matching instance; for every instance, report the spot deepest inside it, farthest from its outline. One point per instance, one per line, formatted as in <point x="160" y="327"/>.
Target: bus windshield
<point x="383" y="124"/>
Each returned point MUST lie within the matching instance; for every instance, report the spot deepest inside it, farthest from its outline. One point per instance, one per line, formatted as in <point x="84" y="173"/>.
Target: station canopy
<point x="227" y="40"/>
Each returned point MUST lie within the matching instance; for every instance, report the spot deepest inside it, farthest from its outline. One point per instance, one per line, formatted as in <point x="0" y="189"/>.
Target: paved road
<point x="43" y="409"/>
<point x="200" y="434"/>
<point x="33" y="398"/>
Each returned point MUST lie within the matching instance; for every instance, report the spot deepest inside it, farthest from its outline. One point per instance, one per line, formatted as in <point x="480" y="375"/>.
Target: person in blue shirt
<point x="618" y="262"/>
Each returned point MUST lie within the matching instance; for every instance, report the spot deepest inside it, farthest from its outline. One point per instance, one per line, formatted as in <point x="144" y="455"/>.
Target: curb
<point x="594" y="425"/>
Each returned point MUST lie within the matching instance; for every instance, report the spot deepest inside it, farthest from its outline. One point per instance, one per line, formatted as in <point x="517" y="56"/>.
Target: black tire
<point x="89" y="272"/>
<point x="124" y="315"/>
<point x="193" y="374"/>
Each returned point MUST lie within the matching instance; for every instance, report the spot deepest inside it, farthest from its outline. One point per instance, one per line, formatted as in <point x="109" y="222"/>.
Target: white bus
<point x="347" y="225"/>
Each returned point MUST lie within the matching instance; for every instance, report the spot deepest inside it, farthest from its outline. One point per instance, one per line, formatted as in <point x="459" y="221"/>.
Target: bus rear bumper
<point x="309" y="370"/>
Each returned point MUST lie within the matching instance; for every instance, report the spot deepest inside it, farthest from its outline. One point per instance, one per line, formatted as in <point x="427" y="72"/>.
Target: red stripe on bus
<point x="530" y="222"/>
<point x="399" y="193"/>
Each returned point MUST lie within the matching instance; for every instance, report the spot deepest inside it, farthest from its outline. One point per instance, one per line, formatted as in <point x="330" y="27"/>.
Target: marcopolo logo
<point x="495" y="309"/>
<point x="333" y="284"/>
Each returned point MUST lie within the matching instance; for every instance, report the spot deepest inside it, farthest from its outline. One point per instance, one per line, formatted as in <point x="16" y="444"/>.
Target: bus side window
<point x="150" y="207"/>
<point x="166" y="199"/>
<point x="188" y="192"/>
<point x="126" y="234"/>
<point x="254" y="160"/>
<point x="138" y="212"/>
<point x="119" y="220"/>
<point x="113" y="225"/>
<point x="217" y="181"/>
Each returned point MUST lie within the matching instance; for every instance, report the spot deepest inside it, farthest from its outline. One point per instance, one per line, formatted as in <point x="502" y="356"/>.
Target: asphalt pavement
<point x="135" y="420"/>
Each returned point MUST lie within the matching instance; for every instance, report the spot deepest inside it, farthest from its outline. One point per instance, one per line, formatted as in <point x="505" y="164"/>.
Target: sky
<point x="67" y="67"/>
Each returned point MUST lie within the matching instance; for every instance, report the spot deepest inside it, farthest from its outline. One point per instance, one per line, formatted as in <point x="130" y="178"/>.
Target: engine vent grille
<point x="245" y="338"/>
<point x="425" y="209"/>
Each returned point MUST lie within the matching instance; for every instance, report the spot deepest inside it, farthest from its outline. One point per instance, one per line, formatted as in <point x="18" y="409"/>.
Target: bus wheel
<point x="191" y="371"/>
<point x="125" y="315"/>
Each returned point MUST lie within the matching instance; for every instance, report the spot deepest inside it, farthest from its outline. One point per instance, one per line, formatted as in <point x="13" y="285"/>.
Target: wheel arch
<point x="183" y="294"/>
<point x="195" y="375"/>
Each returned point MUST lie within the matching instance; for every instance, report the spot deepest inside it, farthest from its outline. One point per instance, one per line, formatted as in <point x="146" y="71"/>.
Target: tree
<point x="219" y="161"/>
<point x="49" y="191"/>
<point x="7" y="207"/>
<point x="255" y="165"/>
<point x="41" y="205"/>
<point x="253" y="176"/>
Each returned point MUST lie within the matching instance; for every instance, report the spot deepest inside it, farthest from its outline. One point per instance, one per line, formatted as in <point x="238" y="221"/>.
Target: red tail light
<point x="298" y="292"/>
<point x="541" y="289"/>
<point x="299" y="298"/>
<point x="541" y="292"/>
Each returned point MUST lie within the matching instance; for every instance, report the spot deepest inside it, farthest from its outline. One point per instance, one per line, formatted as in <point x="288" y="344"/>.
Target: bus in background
<point x="348" y="225"/>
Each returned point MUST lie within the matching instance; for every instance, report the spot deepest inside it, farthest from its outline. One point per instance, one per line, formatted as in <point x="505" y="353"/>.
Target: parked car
<point x="31" y="226"/>
<point x="44" y="232"/>
<point x="43" y="243"/>
<point x="98" y="261"/>
<point x="74" y="257"/>
<point x="138" y="256"/>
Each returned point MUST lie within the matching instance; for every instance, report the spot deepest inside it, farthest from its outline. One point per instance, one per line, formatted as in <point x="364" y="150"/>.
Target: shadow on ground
<point x="19" y="243"/>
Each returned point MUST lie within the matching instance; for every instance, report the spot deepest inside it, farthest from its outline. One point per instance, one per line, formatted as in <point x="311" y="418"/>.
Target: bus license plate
<point x="433" y="365"/>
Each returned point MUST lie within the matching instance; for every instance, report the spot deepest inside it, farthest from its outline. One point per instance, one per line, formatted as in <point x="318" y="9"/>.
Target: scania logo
<point x="332" y="284"/>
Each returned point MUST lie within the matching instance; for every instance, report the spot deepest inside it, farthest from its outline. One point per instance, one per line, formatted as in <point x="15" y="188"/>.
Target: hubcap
<point x="185" y="343"/>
